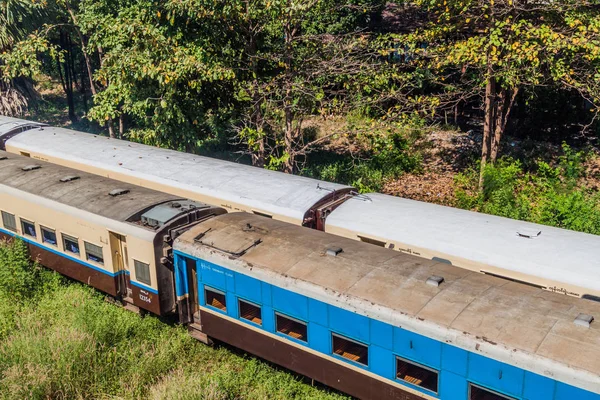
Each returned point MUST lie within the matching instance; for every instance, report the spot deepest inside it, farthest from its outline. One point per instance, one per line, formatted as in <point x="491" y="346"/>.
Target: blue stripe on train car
<point x="457" y="368"/>
<point x="64" y="255"/>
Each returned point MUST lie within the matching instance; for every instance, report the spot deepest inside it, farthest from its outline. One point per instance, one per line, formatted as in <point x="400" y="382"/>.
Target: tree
<point x="497" y="50"/>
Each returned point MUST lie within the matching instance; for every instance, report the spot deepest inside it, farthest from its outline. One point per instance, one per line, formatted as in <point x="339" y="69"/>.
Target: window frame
<point x="13" y="216"/>
<point x="346" y="338"/>
<point x="87" y="257"/>
<point x="25" y="232"/>
<point x="296" y="320"/>
<point x="137" y="275"/>
<point x="437" y="373"/>
<point x="45" y="228"/>
<point x="491" y="391"/>
<point x="240" y="301"/>
<point x="64" y="237"/>
<point x="215" y="291"/>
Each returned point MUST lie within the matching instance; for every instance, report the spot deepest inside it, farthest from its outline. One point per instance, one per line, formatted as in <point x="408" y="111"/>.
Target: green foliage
<point x="64" y="341"/>
<point x="548" y="195"/>
<point x="388" y="152"/>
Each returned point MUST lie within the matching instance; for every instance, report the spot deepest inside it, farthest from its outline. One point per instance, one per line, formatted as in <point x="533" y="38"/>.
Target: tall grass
<point x="62" y="340"/>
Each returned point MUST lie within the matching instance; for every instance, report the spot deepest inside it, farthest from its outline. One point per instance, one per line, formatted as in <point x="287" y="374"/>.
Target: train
<point x="369" y="321"/>
<point x="553" y="259"/>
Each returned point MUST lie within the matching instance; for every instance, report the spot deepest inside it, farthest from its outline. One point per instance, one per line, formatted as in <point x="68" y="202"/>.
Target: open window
<point x="48" y="236"/>
<point x="28" y="228"/>
<point x="9" y="221"/>
<point x="250" y="312"/>
<point x="479" y="393"/>
<point x="350" y="349"/>
<point x="417" y="375"/>
<point x="291" y="327"/>
<point x="71" y="244"/>
<point x="93" y="253"/>
<point x="215" y="298"/>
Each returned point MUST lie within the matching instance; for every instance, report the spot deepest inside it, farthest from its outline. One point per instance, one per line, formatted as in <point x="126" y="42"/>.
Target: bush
<point x="546" y="195"/>
<point x="61" y="340"/>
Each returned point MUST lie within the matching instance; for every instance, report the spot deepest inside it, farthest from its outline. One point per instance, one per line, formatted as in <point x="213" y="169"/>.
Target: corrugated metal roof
<point x="555" y="254"/>
<point x="257" y="189"/>
<point x="514" y="323"/>
<point x="89" y="192"/>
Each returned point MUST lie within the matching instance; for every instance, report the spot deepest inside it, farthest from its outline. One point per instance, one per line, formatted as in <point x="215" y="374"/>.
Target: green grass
<point x="63" y="340"/>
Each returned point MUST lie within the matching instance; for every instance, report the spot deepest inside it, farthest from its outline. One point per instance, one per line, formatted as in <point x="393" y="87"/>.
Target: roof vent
<point x="69" y="178"/>
<point x="435" y="280"/>
<point x="31" y="167"/>
<point x="584" y="320"/>
<point x="118" y="192"/>
<point x="176" y="205"/>
<point x="334" y="251"/>
<point x="3" y="158"/>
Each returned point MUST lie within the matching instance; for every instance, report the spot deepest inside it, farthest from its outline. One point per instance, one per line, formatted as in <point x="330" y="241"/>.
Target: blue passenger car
<point x="375" y="323"/>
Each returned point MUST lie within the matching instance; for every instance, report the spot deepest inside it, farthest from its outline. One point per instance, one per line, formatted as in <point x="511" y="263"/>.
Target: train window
<point x="28" y="228"/>
<point x="142" y="272"/>
<point x="250" y="312"/>
<point x="9" y="221"/>
<point x="350" y="349"/>
<point x="417" y="375"/>
<point x="71" y="244"/>
<point x="479" y="393"/>
<point x="93" y="253"/>
<point x="48" y="235"/>
<point x="215" y="298"/>
<point x="291" y="327"/>
<point x="372" y="241"/>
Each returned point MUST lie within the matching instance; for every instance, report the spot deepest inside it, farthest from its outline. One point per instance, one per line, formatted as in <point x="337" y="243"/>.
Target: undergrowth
<point x="63" y="340"/>
<point x="545" y="194"/>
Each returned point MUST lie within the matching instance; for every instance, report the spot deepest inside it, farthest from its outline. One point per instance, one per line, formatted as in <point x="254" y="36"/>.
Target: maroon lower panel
<point x="327" y="372"/>
<point x="144" y="299"/>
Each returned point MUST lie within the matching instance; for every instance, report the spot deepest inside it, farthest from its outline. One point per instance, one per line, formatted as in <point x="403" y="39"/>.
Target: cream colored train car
<point x="108" y="234"/>
<point x="554" y="259"/>
<point x="235" y="187"/>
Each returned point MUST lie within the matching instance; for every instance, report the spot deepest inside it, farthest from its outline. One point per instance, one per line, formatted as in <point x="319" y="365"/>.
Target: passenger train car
<point x="554" y="259"/>
<point x="233" y="186"/>
<point x="105" y="233"/>
<point x="369" y="321"/>
<point x="550" y="258"/>
<point x="380" y="324"/>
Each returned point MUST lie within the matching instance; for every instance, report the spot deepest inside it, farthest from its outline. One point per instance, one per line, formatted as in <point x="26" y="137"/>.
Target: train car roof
<point x="9" y="125"/>
<point x="277" y="193"/>
<point x="84" y="191"/>
<point x="513" y="323"/>
<point x="509" y="244"/>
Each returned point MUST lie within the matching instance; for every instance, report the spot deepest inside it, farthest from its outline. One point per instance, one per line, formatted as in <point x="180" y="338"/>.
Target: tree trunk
<point x="501" y="122"/>
<point x="499" y="117"/>
<point x="490" y="94"/>
<point x="288" y="100"/>
<point x="121" y="126"/>
<point x="83" y="48"/>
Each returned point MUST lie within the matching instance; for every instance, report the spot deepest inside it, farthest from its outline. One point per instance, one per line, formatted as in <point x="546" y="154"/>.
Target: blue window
<point x="28" y="228"/>
<point x="291" y="327"/>
<point x="250" y="312"/>
<point x="415" y="374"/>
<point x="48" y="236"/>
<point x="93" y="253"/>
<point x="479" y="393"/>
<point x="215" y="298"/>
<point x="71" y="244"/>
<point x="350" y="349"/>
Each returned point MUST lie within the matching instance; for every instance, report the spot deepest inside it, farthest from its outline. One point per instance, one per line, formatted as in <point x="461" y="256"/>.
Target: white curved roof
<point x="10" y="125"/>
<point x="557" y="255"/>
<point x="284" y="196"/>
